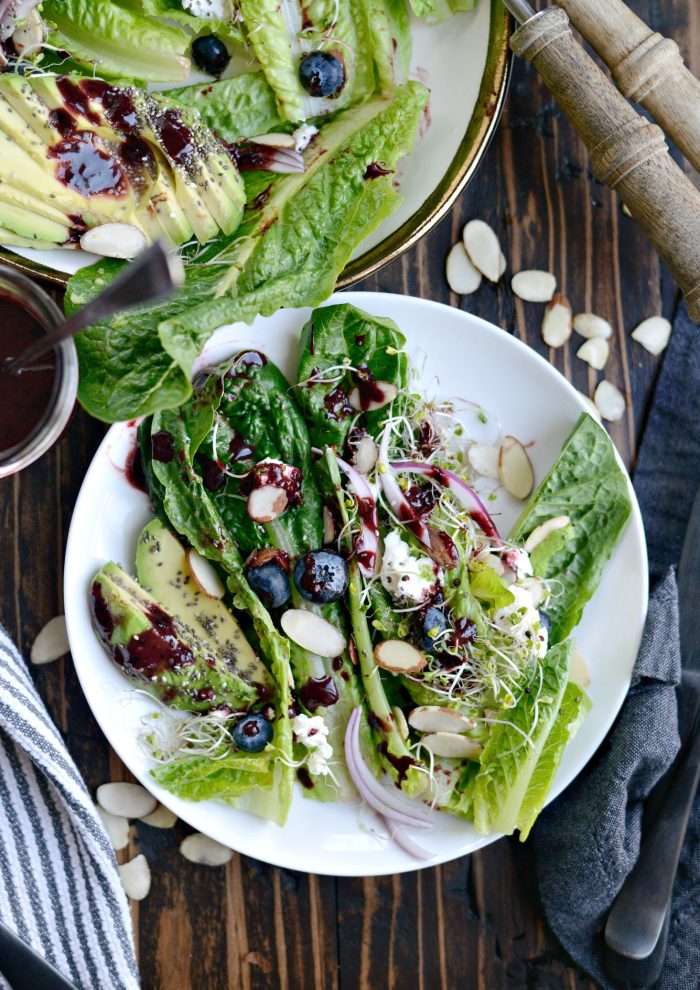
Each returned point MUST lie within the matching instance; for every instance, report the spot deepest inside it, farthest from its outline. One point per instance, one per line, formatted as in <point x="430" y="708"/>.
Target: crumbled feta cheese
<point x="518" y="565"/>
<point x="303" y="136"/>
<point x="311" y="731"/>
<point x="406" y="578"/>
<point x="521" y="620"/>
<point x="211" y="9"/>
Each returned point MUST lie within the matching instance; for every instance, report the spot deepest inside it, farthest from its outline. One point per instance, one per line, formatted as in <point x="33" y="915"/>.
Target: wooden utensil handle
<point x="647" y="67"/>
<point x="627" y="152"/>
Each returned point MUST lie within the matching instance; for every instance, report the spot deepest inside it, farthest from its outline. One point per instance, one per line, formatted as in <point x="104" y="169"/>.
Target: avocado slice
<point x="162" y="567"/>
<point x="32" y="225"/>
<point x="162" y="653"/>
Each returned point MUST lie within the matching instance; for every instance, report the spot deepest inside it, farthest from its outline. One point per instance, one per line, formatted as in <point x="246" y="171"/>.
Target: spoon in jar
<point x="151" y="277"/>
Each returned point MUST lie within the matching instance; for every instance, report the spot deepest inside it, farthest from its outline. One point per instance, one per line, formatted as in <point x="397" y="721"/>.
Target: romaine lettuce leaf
<point x="228" y="29"/>
<point x="586" y="483"/>
<point x="117" y="42"/>
<point x="574" y="707"/>
<point x="287" y="252"/>
<point x="282" y="31"/>
<point x="515" y="744"/>
<point x="241" y="107"/>
<point x="338" y="334"/>
<point x="435" y="11"/>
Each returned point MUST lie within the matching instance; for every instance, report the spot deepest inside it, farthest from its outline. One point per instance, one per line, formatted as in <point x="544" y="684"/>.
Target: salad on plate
<point x="266" y="172"/>
<point x="324" y="597"/>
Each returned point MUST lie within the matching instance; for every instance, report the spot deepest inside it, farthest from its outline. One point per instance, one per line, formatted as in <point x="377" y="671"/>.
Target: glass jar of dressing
<point x="37" y="401"/>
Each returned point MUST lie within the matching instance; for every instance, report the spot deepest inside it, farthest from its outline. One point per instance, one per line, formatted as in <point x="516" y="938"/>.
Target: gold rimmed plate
<point x="465" y="63"/>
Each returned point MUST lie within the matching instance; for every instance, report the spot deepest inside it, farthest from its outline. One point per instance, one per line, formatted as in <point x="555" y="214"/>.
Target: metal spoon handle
<point x="153" y="276"/>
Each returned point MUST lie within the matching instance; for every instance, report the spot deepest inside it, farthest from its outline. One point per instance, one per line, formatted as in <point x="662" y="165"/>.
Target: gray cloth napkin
<point x="59" y="885"/>
<point x="587" y="841"/>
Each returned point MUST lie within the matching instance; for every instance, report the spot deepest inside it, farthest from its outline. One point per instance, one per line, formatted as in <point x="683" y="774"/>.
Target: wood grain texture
<point x="475" y="923"/>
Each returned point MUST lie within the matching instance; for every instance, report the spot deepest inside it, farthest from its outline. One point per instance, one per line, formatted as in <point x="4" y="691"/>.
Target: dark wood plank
<point x="474" y="923"/>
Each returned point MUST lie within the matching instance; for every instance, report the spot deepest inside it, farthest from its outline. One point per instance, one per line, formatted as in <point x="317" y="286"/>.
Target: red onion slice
<point x="366" y="545"/>
<point x="390" y="803"/>
<point x="465" y="495"/>
<point x="401" y="507"/>
<point x="409" y="845"/>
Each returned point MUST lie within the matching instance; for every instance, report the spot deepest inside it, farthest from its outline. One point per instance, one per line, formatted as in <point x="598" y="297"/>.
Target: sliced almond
<point x="114" y="240"/>
<point x="328" y="525"/>
<point x="400" y="720"/>
<point x="399" y="657"/>
<point x="127" y="800"/>
<point x="541" y="532"/>
<point x="450" y="744"/>
<point x="116" y="827"/>
<point x="51" y="643"/>
<point x="653" y="334"/>
<point x="534" y="285"/>
<point x="594" y="352"/>
<point x="136" y="878"/>
<point x="579" y="670"/>
<point x="483" y="249"/>
<point x="434" y="718"/>
<point x="29" y="35"/>
<point x="365" y="454"/>
<point x="162" y="817"/>
<point x="462" y="277"/>
<point x="515" y="469"/>
<point x="382" y="394"/>
<point x="313" y="632"/>
<point x="276" y="140"/>
<point x="198" y="848"/>
<point x="626" y="211"/>
<point x="592" y="408"/>
<point x="205" y="575"/>
<point x="266" y="503"/>
<point x="557" y="323"/>
<point x="483" y="458"/>
<point x="610" y="401"/>
<point x="589" y="325"/>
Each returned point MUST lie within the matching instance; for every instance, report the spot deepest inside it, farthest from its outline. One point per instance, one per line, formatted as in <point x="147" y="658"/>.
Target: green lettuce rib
<point x="508" y="761"/>
<point x="586" y="483"/>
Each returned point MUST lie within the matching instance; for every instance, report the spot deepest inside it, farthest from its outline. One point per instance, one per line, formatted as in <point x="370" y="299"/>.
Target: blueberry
<point x="545" y="621"/>
<point x="321" y="74"/>
<point x="210" y="54"/>
<point x="432" y="625"/>
<point x="321" y="576"/>
<point x="270" y="581"/>
<point x="252" y="733"/>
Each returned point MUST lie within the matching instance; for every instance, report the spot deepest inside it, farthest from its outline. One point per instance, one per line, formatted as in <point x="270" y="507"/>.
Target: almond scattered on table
<point x="595" y="352"/>
<point x="116" y="827"/>
<point x="136" y="877"/>
<point x="515" y="469"/>
<point x="162" y="817"/>
<point x="653" y="334"/>
<point x="462" y="277"/>
<point x="51" y="643"/>
<point x="610" y="401"/>
<point x="484" y="249"/>
<point x="198" y="848"/>
<point x="592" y="407"/>
<point x="557" y="322"/>
<point x="534" y="285"/>
<point x="589" y="325"/>
<point x="126" y="800"/>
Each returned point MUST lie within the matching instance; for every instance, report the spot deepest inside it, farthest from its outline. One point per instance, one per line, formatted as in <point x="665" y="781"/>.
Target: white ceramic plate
<point x="450" y="59"/>
<point x="471" y="359"/>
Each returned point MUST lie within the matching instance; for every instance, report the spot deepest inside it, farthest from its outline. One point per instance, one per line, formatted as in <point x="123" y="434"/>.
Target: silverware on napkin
<point x="25" y="969"/>
<point x="636" y="931"/>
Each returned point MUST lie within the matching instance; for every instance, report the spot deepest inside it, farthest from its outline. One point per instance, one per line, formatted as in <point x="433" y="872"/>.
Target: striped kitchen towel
<point x="59" y="885"/>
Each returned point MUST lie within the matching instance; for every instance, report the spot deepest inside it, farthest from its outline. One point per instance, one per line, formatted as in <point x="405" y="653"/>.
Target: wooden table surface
<point x="475" y="923"/>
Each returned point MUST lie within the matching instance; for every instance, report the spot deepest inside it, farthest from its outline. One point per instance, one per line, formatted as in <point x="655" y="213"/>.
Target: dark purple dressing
<point x="318" y="692"/>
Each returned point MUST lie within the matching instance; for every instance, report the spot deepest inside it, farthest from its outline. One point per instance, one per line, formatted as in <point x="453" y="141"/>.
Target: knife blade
<point x="636" y="931"/>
